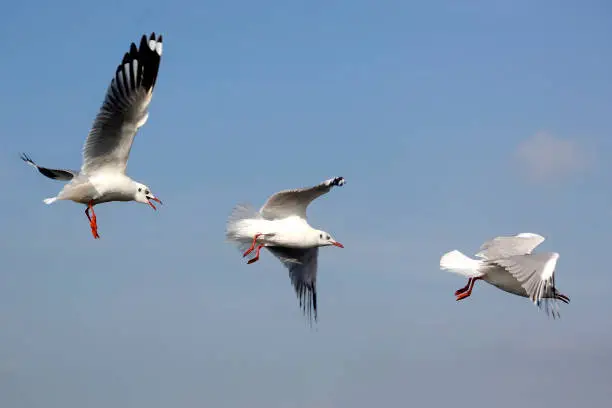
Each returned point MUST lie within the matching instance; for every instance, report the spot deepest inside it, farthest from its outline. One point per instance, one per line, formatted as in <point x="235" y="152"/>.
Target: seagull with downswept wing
<point x="281" y="227"/>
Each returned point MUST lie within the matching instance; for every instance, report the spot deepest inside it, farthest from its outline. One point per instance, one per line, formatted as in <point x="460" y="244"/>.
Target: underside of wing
<point x="125" y="107"/>
<point x="535" y="273"/>
<point x="503" y="247"/>
<point x="302" y="266"/>
<point x="294" y="202"/>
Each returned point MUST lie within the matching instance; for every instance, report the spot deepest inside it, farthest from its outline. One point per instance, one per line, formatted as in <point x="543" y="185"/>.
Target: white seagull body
<point x="509" y="264"/>
<point x="281" y="226"/>
<point x="102" y="176"/>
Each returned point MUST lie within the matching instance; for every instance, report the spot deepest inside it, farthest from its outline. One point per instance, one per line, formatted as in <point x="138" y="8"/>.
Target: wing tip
<point x="145" y="58"/>
<point x="563" y="298"/>
<point x="336" y="181"/>
<point x="27" y="159"/>
<point x="307" y="297"/>
<point x="154" y="43"/>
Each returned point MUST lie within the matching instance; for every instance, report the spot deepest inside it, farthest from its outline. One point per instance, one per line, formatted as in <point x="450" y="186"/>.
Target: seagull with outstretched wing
<point x="102" y="177"/>
<point x="281" y="227"/>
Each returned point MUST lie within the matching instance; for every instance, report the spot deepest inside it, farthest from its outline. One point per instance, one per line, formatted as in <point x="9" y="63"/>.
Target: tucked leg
<point x="92" y="220"/>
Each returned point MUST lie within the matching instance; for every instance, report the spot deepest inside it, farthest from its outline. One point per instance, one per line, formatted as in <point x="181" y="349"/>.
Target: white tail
<point x="235" y="229"/>
<point x="50" y="200"/>
<point x="457" y="262"/>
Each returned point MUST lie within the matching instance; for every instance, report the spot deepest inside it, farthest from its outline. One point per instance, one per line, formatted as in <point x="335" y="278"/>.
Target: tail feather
<point x="455" y="261"/>
<point x="235" y="227"/>
<point x="50" y="200"/>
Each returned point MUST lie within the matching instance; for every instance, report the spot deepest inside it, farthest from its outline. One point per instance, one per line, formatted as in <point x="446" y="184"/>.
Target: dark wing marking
<point x="302" y="265"/>
<point x="535" y="272"/>
<point x="125" y="107"/>
<point x="55" y="174"/>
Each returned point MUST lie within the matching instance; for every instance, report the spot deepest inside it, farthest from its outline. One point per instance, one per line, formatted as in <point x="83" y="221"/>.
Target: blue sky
<point x="452" y="122"/>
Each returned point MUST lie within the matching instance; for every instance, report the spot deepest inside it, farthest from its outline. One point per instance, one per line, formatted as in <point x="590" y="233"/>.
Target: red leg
<point x="256" y="258"/>
<point x="92" y="220"/>
<point x="468" y="292"/>
<point x="463" y="289"/>
<point x="248" y="251"/>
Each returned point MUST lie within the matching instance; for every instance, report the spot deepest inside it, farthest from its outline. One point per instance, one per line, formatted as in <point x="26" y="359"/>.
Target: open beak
<point x="336" y="243"/>
<point x="154" y="199"/>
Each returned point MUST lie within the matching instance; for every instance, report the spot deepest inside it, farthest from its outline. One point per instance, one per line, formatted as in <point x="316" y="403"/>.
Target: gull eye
<point x="328" y="237"/>
<point x="146" y="191"/>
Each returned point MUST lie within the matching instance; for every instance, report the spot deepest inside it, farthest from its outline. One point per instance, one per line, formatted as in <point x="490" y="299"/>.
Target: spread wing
<point x="302" y="265"/>
<point x="125" y="108"/>
<point x="55" y="174"/>
<point x="294" y="202"/>
<point x="504" y="247"/>
<point x="535" y="272"/>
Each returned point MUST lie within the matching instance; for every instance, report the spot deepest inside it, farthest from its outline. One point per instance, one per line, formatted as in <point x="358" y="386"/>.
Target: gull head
<point x="143" y="195"/>
<point x="325" y="239"/>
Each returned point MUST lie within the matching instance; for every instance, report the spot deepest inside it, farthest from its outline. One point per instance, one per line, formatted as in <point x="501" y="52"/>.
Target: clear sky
<point x="452" y="122"/>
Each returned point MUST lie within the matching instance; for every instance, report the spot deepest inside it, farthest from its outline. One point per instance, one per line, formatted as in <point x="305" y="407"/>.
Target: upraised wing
<point x="294" y="202"/>
<point x="503" y="247"/>
<point x="55" y="174"/>
<point x="125" y="108"/>
<point x="302" y="265"/>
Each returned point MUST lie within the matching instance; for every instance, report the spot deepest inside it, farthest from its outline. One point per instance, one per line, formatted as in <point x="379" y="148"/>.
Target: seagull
<point x="102" y="176"/>
<point x="508" y="263"/>
<point x="281" y="227"/>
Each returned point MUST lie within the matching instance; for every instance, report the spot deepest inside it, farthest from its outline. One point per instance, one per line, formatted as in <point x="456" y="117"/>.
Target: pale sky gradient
<point x="544" y="157"/>
<point x="424" y="108"/>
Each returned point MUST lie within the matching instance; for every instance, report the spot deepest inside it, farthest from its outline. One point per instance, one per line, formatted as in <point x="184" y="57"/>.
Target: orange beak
<point x="338" y="244"/>
<point x="154" y="199"/>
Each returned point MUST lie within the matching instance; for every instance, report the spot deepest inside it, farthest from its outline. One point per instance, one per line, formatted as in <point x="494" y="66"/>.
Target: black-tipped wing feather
<point x="528" y="270"/>
<point x="125" y="107"/>
<point x="535" y="273"/>
<point x="302" y="265"/>
<point x="55" y="174"/>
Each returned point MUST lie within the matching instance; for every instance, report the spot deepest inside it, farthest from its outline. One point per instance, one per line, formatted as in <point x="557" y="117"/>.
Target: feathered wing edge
<point x="550" y="305"/>
<point x="307" y="296"/>
<point x="542" y="292"/>
<point x="125" y="106"/>
<point x="295" y="201"/>
<point x="54" y="174"/>
<point x="302" y="266"/>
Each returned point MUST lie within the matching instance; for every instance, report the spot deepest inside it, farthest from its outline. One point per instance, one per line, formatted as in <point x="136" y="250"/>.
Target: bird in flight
<point x="507" y="262"/>
<point x="102" y="177"/>
<point x="281" y="227"/>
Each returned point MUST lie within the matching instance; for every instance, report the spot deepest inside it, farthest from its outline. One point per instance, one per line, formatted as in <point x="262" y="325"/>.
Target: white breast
<point x="292" y="232"/>
<point x="112" y="187"/>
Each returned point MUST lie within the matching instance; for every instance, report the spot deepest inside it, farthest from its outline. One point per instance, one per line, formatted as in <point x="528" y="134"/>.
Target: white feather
<point x="455" y="261"/>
